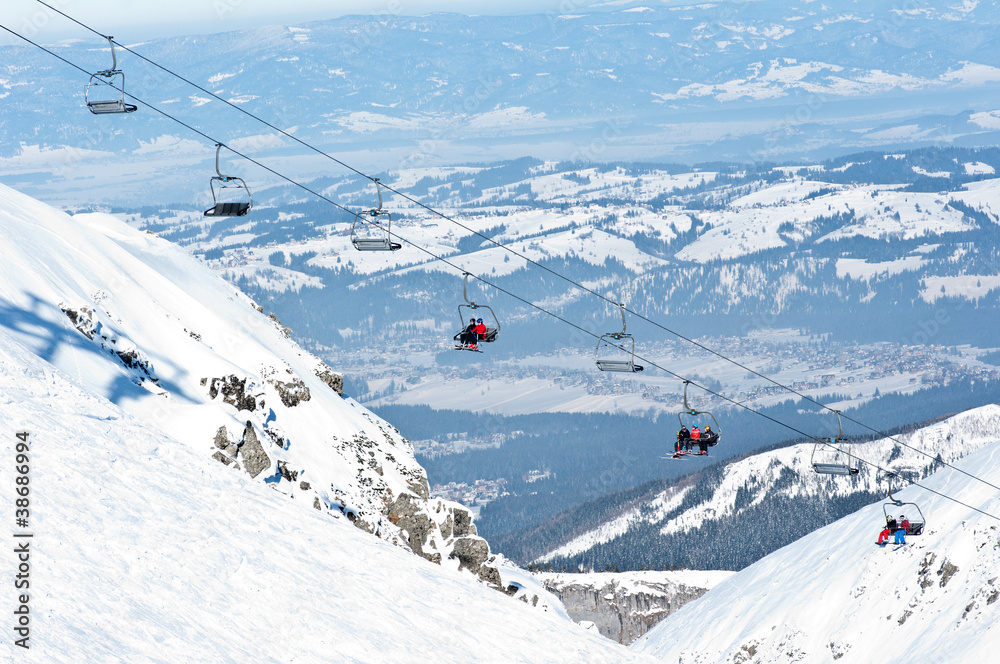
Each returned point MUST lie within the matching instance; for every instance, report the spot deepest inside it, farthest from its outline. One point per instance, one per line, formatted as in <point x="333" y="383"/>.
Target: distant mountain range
<point x="831" y="248"/>
<point x="732" y="81"/>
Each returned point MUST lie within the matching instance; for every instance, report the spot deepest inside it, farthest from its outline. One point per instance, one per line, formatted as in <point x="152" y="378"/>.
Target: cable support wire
<point x="541" y="309"/>
<point x="510" y="249"/>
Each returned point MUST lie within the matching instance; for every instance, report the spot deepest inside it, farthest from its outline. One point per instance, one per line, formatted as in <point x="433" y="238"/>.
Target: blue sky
<point x="147" y="19"/>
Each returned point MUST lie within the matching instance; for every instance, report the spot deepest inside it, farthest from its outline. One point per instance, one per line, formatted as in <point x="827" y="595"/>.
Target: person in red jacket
<point x="479" y="330"/>
<point x="904" y="523"/>
<point x="695" y="436"/>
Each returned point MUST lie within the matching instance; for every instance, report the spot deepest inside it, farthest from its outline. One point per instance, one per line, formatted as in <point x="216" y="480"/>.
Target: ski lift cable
<point x="508" y="248"/>
<point x="214" y="141"/>
<point x="218" y="98"/>
<point x="533" y="305"/>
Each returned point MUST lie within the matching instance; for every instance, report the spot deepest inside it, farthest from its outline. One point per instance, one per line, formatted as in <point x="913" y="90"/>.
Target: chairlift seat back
<point x="108" y="106"/>
<point x="619" y="365"/>
<point x="375" y="244"/>
<point x="228" y="210"/>
<point x="834" y="469"/>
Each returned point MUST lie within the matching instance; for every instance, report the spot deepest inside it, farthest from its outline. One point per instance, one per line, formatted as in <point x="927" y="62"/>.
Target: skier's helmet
<point x="479" y="320"/>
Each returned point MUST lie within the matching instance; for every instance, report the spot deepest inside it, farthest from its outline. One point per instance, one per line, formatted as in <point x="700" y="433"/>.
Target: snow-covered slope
<point x="835" y="596"/>
<point x="136" y="320"/>
<point x="144" y="552"/>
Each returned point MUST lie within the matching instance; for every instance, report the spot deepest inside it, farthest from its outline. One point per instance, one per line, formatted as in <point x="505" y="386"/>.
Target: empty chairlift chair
<point x="615" y="351"/>
<point x="219" y="184"/>
<point x="834" y="459"/>
<point x="372" y="229"/>
<point x="103" y="96"/>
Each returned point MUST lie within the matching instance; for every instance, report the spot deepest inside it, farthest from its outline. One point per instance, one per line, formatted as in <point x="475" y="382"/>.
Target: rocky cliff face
<point x="624" y="606"/>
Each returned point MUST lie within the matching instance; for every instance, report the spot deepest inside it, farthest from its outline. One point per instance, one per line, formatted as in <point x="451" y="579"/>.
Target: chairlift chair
<point x="609" y="362"/>
<point x="917" y="524"/>
<point x="379" y="238"/>
<point x="492" y="332"/>
<point x="221" y="182"/>
<point x="103" y="97"/>
<point x="691" y="412"/>
<point x="837" y="462"/>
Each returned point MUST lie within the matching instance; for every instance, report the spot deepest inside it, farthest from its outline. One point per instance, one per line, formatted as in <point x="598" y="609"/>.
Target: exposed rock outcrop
<point x="473" y="554"/>
<point x="234" y="390"/>
<point x="291" y="393"/>
<point x="624" y="606"/>
<point x="88" y="323"/>
<point x="430" y="529"/>
<point x="254" y="457"/>
<point x="333" y="379"/>
<point x="286" y="331"/>
<point x="387" y="494"/>
<point x="222" y="438"/>
<point x="406" y="512"/>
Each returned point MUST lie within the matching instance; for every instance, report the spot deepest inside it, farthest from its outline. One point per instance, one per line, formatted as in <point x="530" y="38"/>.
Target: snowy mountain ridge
<point x="835" y="596"/>
<point x="731" y="80"/>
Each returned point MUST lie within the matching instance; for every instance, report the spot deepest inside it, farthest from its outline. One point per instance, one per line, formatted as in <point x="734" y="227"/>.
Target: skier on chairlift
<point x="480" y="329"/>
<point x="708" y="437"/>
<point x="469" y="338"/>
<point x="683" y="441"/>
<point x="901" y="530"/>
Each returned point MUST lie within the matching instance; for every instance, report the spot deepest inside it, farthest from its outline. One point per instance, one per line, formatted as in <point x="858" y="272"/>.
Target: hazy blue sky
<point x="144" y="19"/>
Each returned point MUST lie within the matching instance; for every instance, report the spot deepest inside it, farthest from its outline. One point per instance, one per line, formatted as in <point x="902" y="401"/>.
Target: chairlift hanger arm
<point x="114" y="58"/>
<point x="465" y="290"/>
<point x="687" y="407"/>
